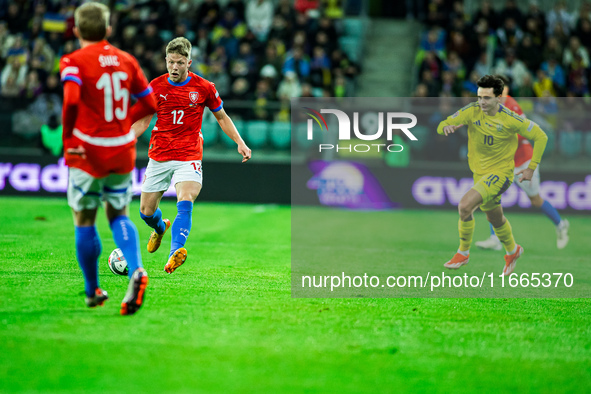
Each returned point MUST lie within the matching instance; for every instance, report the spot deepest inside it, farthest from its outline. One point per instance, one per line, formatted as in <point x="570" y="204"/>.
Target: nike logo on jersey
<point x="163" y="96"/>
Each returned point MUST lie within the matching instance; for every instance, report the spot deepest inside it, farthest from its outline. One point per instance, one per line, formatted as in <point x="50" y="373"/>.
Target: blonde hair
<point x="180" y="46"/>
<point x="92" y="20"/>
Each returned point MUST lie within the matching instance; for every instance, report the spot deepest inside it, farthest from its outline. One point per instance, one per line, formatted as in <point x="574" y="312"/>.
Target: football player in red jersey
<point x="523" y="156"/>
<point x="176" y="147"/>
<point x="99" y="146"/>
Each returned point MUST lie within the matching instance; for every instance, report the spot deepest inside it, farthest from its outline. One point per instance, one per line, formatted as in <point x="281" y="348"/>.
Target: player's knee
<point x="113" y="212"/>
<point x="189" y="194"/>
<point x="464" y="210"/>
<point x="495" y="219"/>
<point x="147" y="210"/>
<point x="537" y="201"/>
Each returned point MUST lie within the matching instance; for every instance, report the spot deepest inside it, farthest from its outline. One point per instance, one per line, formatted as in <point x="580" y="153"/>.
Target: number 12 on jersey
<point x="180" y="114"/>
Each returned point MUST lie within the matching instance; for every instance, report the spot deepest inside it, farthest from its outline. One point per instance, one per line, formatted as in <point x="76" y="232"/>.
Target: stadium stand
<point x="255" y="134"/>
<point x="259" y="54"/>
<point x="541" y="46"/>
<point x="280" y="135"/>
<point x="307" y="49"/>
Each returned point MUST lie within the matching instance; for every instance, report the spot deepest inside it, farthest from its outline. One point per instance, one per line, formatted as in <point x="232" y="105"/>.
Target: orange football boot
<point x="156" y="239"/>
<point x="457" y="261"/>
<point x="98" y="299"/>
<point x="176" y="260"/>
<point x="511" y="259"/>
<point x="136" y="291"/>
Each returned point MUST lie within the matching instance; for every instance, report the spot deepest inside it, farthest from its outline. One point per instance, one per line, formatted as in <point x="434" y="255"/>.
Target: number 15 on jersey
<point x="110" y="84"/>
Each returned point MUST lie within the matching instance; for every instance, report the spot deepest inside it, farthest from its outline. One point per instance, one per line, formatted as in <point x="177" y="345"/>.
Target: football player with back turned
<point x="99" y="147"/>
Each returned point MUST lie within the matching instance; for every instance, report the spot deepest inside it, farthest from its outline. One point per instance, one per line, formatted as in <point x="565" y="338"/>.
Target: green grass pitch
<point x="226" y="322"/>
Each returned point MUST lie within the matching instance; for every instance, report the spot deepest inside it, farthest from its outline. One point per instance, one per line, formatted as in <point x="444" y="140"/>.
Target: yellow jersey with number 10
<point x="492" y="140"/>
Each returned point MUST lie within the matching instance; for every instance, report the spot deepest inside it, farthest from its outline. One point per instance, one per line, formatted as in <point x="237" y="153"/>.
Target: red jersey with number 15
<point x="177" y="134"/>
<point x="108" y="78"/>
<point x="524" y="149"/>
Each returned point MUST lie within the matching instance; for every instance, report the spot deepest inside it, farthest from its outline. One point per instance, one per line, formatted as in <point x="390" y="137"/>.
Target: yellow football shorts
<point x="490" y="186"/>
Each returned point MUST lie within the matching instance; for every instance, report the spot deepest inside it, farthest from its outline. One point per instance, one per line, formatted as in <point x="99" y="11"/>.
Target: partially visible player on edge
<point x="99" y="147"/>
<point x="532" y="189"/>
<point x="176" y="147"/>
<point x="492" y="142"/>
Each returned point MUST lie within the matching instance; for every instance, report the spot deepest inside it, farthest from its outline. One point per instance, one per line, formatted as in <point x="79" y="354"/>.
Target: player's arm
<point x="141" y="125"/>
<point x="70" y="107"/>
<point x="229" y="128"/>
<point x="69" y="115"/>
<point x="145" y="106"/>
<point x="453" y="122"/>
<point x="70" y="76"/>
<point x="532" y="132"/>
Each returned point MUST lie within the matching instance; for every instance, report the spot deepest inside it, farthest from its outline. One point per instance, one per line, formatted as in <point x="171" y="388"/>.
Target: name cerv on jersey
<point x="177" y="133"/>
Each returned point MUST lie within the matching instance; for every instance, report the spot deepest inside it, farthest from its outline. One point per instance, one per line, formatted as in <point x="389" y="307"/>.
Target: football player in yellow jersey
<point x="492" y="142"/>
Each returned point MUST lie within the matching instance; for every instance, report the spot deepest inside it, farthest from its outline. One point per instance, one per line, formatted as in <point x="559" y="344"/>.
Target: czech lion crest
<point x="194" y="96"/>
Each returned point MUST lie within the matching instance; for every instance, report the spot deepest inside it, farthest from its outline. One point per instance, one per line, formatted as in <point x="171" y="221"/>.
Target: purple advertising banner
<point x="441" y="191"/>
<point x="428" y="188"/>
<point x="348" y="185"/>
<point x="260" y="183"/>
<point x="53" y="178"/>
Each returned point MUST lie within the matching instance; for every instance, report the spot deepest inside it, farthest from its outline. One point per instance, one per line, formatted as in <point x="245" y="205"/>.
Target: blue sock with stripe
<point x="88" y="250"/>
<point x="155" y="221"/>
<point x="127" y="239"/>
<point x="551" y="212"/>
<point x="182" y="225"/>
<point x="492" y="230"/>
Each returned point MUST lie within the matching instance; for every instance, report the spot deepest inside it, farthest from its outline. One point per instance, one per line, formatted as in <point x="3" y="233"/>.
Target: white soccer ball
<point x="117" y="262"/>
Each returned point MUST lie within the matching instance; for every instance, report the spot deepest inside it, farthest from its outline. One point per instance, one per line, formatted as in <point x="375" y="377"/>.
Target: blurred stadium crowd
<point x="259" y="53"/>
<point x="542" y="52"/>
<point x="262" y="51"/>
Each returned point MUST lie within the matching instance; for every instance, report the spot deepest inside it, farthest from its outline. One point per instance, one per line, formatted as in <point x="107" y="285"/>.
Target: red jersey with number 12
<point x="524" y="149"/>
<point x="108" y="78"/>
<point x="177" y="134"/>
